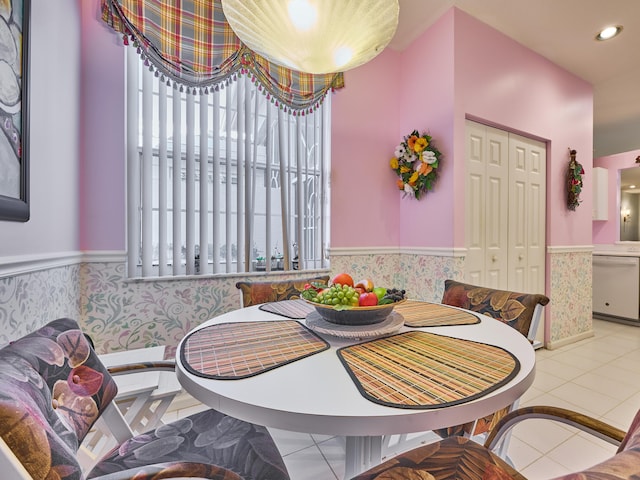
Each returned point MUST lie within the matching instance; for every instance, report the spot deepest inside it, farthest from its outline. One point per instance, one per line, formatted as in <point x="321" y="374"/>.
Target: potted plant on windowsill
<point x="261" y="263"/>
<point x="277" y="262"/>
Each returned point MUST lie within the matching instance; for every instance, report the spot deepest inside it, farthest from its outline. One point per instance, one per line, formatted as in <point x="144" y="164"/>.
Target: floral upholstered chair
<point x="254" y="293"/>
<point x="461" y="458"/>
<point x="53" y="388"/>
<point x="521" y="311"/>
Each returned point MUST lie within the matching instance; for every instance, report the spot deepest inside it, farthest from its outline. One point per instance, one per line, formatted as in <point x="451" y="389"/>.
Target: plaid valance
<point x="192" y="45"/>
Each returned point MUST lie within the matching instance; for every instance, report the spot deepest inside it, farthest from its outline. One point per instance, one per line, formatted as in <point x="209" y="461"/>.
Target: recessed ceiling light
<point x="632" y="186"/>
<point x="609" y="32"/>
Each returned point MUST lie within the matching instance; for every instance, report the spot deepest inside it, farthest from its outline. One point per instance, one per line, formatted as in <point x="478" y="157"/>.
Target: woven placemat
<point x="422" y="314"/>
<point x="296" y="309"/>
<point x="423" y="370"/>
<point x="230" y="351"/>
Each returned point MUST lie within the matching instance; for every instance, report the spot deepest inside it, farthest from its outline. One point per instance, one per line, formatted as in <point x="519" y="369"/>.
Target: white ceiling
<point x="562" y="31"/>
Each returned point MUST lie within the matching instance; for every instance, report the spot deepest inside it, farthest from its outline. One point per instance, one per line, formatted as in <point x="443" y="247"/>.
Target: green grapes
<point x="337" y="295"/>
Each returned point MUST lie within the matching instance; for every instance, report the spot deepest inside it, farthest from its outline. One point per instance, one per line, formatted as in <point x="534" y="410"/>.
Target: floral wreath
<point x="416" y="162"/>
<point x="574" y="181"/>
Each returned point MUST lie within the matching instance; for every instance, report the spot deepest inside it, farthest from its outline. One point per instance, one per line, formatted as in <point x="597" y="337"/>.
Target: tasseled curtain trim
<point x="190" y="45"/>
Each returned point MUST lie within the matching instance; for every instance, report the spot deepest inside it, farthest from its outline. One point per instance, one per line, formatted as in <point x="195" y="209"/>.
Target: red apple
<point x="308" y="286"/>
<point x="368" y="299"/>
<point x="342" y="279"/>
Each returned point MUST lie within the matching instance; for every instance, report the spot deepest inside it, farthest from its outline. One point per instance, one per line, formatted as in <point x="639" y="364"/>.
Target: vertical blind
<point x="223" y="181"/>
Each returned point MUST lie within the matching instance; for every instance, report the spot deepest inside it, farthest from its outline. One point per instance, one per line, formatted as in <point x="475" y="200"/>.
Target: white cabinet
<point x="600" y="193"/>
<point x="616" y="286"/>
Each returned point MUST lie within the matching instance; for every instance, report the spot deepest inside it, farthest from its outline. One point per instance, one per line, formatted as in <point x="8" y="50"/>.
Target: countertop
<point x="618" y="250"/>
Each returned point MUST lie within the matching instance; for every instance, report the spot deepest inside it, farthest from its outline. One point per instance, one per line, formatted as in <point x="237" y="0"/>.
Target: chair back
<point x="256" y="292"/>
<point x="632" y="438"/>
<point x="53" y="388"/>
<point x="624" y="465"/>
<point x="521" y="311"/>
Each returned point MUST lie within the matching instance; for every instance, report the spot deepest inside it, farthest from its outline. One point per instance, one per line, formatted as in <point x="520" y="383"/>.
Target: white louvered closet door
<point x="505" y="210"/>
<point x="487" y="204"/>
<point x="527" y="192"/>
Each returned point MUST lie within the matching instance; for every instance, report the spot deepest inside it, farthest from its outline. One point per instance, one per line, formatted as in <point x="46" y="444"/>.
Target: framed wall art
<point x="14" y="110"/>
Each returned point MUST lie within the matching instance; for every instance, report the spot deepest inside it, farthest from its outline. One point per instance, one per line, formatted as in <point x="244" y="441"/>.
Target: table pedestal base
<point x="361" y="454"/>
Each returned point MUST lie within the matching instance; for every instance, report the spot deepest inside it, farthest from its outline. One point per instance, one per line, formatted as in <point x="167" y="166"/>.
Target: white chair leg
<point x="503" y="450"/>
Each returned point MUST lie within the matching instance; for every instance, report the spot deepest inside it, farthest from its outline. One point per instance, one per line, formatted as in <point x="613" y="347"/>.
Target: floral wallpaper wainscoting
<point x="421" y="274"/>
<point x="425" y="274"/>
<point x="29" y="300"/>
<point x="122" y="314"/>
<point x="571" y="299"/>
<point x="380" y="267"/>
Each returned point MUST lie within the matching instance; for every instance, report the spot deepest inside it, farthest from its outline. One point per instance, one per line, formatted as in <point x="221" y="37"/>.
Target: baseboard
<point x="611" y="318"/>
<point x="552" y="345"/>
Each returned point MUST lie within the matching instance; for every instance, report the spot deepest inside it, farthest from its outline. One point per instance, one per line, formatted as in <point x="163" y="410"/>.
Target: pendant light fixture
<point x="314" y="36"/>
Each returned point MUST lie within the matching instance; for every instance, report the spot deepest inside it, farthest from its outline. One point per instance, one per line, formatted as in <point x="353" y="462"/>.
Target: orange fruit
<point x="342" y="279"/>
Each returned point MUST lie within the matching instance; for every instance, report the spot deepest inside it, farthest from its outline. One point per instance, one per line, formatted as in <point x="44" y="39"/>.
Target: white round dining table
<point x="316" y="394"/>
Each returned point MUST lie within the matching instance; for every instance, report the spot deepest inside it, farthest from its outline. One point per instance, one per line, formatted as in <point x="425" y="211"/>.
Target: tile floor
<point x="597" y="376"/>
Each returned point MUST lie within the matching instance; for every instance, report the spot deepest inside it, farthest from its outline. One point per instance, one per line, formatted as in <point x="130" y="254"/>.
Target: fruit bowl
<point x="354" y="315"/>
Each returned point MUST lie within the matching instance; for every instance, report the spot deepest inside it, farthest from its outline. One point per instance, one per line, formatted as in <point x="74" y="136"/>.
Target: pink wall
<point x="607" y="232"/>
<point x="458" y="68"/>
<point x="502" y="82"/>
<point x="364" y="131"/>
<point x="427" y="99"/>
<point x="383" y="101"/>
<point x="102" y="139"/>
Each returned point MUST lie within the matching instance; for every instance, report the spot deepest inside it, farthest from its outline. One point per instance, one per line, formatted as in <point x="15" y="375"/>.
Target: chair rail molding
<point x="569" y="249"/>
<point x="455" y="252"/>
<point x="104" y="256"/>
<point x="433" y="251"/>
<point x="18" y="265"/>
<point x="349" y="251"/>
<point x="21" y="264"/>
